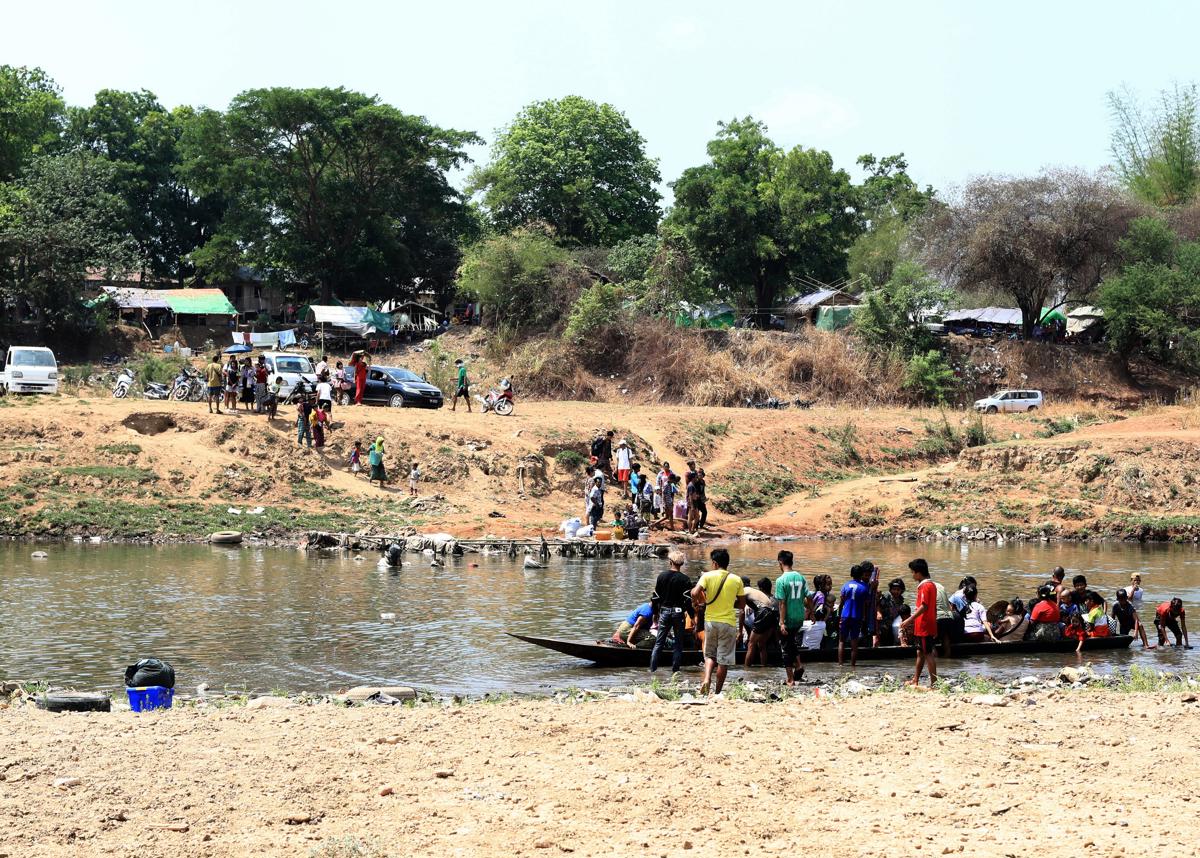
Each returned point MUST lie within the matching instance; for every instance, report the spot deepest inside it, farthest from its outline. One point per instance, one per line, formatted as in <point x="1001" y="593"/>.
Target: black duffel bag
<point x="150" y="671"/>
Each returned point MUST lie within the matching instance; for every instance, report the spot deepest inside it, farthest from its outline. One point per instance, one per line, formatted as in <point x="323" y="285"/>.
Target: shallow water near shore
<point x="264" y="619"/>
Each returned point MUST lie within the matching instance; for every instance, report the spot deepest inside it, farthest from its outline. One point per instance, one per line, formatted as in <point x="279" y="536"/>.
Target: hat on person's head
<point x="622" y="443"/>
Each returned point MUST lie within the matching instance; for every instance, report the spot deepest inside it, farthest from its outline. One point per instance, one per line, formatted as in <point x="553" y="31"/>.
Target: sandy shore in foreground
<point x="1072" y="773"/>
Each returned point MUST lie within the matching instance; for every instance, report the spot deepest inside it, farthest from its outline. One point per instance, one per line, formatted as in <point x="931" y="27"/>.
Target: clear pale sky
<point x="960" y="87"/>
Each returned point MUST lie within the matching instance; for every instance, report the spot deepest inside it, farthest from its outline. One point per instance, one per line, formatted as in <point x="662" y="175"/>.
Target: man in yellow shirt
<point x="722" y="595"/>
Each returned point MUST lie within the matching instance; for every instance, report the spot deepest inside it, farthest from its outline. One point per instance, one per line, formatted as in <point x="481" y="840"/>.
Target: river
<point x="262" y="619"/>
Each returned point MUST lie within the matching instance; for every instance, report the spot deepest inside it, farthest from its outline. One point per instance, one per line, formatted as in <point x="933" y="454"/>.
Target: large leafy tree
<point x="60" y="218"/>
<point x="892" y="317"/>
<point x="576" y="165"/>
<point x="1042" y="240"/>
<point x="31" y="117"/>
<point x="331" y="187"/>
<point x="520" y="279"/>
<point x="761" y="217"/>
<point x="1152" y="304"/>
<point x="141" y="139"/>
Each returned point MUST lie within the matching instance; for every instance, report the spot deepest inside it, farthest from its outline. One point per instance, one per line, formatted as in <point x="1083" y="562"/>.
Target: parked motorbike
<point x="156" y="390"/>
<point x="499" y="401"/>
<point x="124" y="380"/>
<point x="188" y="386"/>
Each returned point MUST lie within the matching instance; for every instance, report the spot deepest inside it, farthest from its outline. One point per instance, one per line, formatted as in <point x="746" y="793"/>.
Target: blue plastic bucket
<point x="150" y="697"/>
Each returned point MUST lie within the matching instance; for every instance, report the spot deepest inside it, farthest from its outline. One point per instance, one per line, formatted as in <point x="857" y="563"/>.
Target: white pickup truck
<point x="29" y="369"/>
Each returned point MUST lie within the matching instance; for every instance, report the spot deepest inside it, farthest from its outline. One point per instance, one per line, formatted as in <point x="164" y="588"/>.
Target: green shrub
<point x="929" y="377"/>
<point x="596" y="315"/>
<point x="569" y="460"/>
<point x="161" y="369"/>
<point x="977" y="434"/>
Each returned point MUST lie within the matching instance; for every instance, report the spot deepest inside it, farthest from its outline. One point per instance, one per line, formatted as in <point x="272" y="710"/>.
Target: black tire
<point x="503" y="407"/>
<point x="991" y="409"/>
<point x="1031" y="409"/>
<point x="345" y="399"/>
<point x="396" y="401"/>
<point x="120" y="393"/>
<point x="180" y="394"/>
<point x="72" y="701"/>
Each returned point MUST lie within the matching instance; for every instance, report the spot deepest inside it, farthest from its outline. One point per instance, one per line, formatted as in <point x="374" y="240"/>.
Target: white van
<point x="1010" y="401"/>
<point x="293" y="368"/>
<point x="29" y="369"/>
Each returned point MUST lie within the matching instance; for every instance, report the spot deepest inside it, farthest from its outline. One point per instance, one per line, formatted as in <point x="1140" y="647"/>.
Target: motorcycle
<point x="499" y="401"/>
<point x="156" y="390"/>
<point x="124" y="380"/>
<point x="188" y="386"/>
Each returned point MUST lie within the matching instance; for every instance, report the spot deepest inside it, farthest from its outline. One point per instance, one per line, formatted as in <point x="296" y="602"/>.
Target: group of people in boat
<point x="723" y="613"/>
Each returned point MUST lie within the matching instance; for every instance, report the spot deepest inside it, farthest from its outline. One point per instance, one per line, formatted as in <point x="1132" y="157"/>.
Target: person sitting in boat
<point x="960" y="605"/>
<point x="901" y="633"/>
<point x="1075" y="631"/>
<point x="887" y="614"/>
<point x="1095" y="619"/>
<point x="975" y="628"/>
<point x="1045" y="618"/>
<point x="814" y="630"/>
<point x="1011" y="627"/>
<point x="634" y="630"/>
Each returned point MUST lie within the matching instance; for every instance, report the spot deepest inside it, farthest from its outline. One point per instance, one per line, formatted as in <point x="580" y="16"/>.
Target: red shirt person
<point x="1169" y="616"/>
<point x="923" y="623"/>
<point x="360" y="378"/>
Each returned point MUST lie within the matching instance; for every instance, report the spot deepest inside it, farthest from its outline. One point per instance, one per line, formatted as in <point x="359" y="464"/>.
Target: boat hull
<point x="605" y="654"/>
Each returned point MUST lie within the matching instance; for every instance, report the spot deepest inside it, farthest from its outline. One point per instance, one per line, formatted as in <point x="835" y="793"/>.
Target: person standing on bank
<point x="923" y="623"/>
<point x="722" y="595"/>
<point x="791" y="592"/>
<point x="670" y="604"/>
<point x="463" y="386"/>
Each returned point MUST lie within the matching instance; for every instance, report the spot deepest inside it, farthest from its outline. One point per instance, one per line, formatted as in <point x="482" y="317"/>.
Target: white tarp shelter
<point x="349" y="318"/>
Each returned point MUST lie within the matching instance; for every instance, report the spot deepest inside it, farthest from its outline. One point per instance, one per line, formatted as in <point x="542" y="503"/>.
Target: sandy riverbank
<point x="1093" y="773"/>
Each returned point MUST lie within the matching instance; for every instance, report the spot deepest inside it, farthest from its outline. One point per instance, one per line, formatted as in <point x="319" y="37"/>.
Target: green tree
<point x="332" y="187"/>
<point x="1157" y="152"/>
<point x="1035" y="238"/>
<point x="630" y="259"/>
<point x="598" y="317"/>
<point x="892" y="316"/>
<point x="1153" y="304"/>
<point x="31" y="117"/>
<point x="141" y="138"/>
<point x="888" y="200"/>
<point x="518" y="279"/>
<point x="576" y="165"/>
<point x="761" y="217"/>
<point x="676" y="273"/>
<point x="59" y="219"/>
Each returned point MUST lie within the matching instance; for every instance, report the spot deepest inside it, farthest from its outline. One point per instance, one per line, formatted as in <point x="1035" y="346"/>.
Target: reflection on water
<point x="278" y="618"/>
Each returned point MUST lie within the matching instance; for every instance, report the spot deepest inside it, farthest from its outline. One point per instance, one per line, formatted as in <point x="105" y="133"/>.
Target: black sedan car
<point x="399" y="388"/>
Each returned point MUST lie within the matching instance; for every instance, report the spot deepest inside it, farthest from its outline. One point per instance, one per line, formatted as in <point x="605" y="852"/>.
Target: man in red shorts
<point x="923" y="623"/>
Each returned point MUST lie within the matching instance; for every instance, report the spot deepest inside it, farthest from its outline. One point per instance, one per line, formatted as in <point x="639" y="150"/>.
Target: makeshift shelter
<point x="983" y="320"/>
<point x="198" y="302"/>
<point x="1085" y="324"/>
<point x="805" y="309"/>
<point x="713" y="315"/>
<point x="411" y="316"/>
<point x="353" y="319"/>
<point x="834" y="318"/>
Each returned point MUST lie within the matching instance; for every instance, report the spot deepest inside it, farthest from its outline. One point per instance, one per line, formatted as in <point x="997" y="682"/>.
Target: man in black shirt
<point x="670" y="602"/>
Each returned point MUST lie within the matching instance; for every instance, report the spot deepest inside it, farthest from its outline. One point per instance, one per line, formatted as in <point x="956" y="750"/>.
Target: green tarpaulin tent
<point x="834" y="318"/>
<point x="1052" y="316"/>
<point x="198" y="302"/>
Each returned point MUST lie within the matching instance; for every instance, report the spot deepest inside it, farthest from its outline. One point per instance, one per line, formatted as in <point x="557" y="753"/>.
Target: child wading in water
<point x="376" y="460"/>
<point x="356" y="457"/>
<point x="414" y="477"/>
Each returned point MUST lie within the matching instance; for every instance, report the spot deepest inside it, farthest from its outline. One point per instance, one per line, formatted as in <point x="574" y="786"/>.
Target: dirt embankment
<point x="137" y="469"/>
<point x="902" y="774"/>
<point x="1133" y="478"/>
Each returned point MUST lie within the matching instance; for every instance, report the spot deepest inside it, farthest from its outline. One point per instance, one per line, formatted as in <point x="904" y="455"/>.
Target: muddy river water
<point x="264" y="619"/>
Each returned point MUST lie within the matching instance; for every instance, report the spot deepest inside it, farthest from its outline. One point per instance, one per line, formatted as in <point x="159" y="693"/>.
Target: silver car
<point x="1010" y="401"/>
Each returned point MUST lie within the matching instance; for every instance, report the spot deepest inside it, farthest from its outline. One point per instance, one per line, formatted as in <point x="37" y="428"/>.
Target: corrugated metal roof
<point x="804" y="303"/>
<point x="985" y="316"/>
<point x="129" y="298"/>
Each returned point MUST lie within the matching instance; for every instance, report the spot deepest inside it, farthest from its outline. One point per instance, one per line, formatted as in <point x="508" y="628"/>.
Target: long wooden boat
<point x="605" y="654"/>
